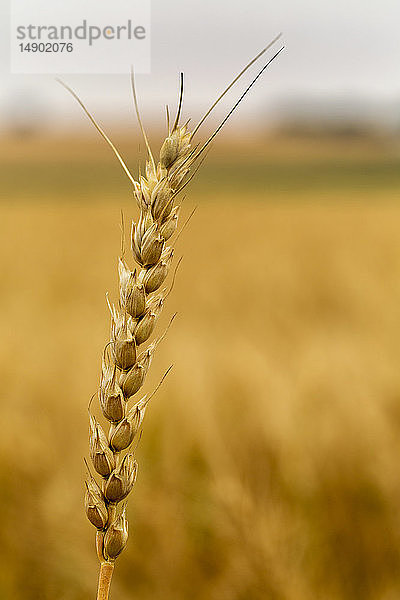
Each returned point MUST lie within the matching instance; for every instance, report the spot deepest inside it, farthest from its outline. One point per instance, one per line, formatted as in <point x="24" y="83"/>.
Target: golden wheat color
<point x="128" y="354"/>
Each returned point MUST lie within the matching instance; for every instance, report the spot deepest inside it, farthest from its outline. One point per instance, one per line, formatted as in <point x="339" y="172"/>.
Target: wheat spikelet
<point x="128" y="354"/>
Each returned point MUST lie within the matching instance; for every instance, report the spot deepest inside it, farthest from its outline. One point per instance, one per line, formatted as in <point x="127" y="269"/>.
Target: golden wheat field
<point x="269" y="462"/>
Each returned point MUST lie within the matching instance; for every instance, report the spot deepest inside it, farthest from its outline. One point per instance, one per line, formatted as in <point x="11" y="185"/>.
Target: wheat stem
<point x="105" y="576"/>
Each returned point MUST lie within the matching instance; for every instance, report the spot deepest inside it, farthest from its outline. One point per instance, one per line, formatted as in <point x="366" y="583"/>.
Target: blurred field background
<point x="269" y="462"/>
<point x="269" y="459"/>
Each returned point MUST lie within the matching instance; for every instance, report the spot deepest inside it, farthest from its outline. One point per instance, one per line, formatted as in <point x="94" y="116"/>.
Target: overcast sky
<point x="342" y="51"/>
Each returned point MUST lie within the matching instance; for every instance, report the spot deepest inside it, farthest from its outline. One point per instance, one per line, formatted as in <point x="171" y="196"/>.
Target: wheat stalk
<point x="126" y="357"/>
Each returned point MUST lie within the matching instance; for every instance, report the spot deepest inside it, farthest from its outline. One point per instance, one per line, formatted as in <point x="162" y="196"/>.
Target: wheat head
<point x="127" y="358"/>
<point x="129" y="352"/>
